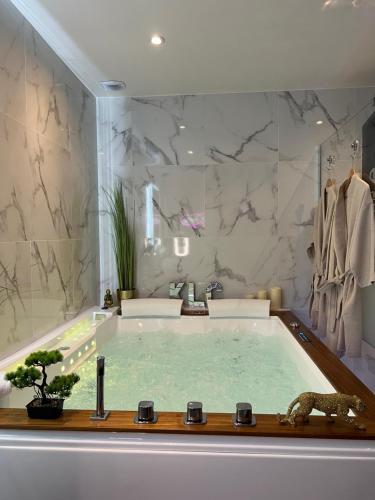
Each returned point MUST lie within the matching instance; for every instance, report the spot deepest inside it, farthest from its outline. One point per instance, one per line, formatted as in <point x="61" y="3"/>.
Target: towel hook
<point x="331" y="160"/>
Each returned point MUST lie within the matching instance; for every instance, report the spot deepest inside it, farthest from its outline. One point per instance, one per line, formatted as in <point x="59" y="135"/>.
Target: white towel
<point x="243" y="308"/>
<point x="5" y="385"/>
<point x="137" y="308"/>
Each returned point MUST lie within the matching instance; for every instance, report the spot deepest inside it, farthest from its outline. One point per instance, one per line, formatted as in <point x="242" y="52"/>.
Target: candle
<point x="275" y="296"/>
<point x="250" y="296"/>
<point x="262" y="294"/>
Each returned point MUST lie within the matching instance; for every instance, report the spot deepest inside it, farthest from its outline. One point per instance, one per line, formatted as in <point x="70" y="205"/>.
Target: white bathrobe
<point x="322" y="234"/>
<point x="354" y="255"/>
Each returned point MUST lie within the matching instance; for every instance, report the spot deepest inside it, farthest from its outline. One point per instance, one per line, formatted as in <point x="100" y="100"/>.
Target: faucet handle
<point x="212" y="288"/>
<point x="175" y="290"/>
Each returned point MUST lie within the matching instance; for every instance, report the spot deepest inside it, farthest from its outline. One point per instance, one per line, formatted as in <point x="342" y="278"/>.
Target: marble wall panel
<point x="48" y="189"/>
<point x="245" y="168"/>
<point x="299" y="112"/>
<point x="12" y="62"/>
<point x="15" y="296"/>
<point x="15" y="186"/>
<point x="51" y="283"/>
<point x="46" y="90"/>
<point x="241" y="200"/>
<point x="228" y="128"/>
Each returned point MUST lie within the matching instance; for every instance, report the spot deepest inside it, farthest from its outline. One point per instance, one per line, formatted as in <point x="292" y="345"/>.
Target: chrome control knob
<point x="146" y="413"/>
<point x="244" y="415"/>
<point x="194" y="413"/>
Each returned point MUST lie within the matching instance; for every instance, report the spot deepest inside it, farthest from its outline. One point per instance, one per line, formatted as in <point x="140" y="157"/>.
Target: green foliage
<point x="23" y="377"/>
<point x="62" y="385"/>
<point x="44" y="358"/>
<point x="35" y="370"/>
<point x="123" y="238"/>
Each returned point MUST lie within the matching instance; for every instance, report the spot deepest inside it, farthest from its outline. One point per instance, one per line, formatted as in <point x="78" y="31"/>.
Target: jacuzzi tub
<point x="140" y="466"/>
<point x="175" y="360"/>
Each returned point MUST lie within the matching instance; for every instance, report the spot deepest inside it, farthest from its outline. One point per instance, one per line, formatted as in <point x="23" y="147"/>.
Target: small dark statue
<point x="49" y="398"/>
<point x="108" y="299"/>
<point x="330" y="404"/>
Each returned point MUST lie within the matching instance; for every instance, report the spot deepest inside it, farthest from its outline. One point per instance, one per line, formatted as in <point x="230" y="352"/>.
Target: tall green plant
<point x="123" y="238"/>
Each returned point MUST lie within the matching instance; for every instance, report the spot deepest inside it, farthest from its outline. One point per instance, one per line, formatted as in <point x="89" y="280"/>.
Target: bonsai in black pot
<point x="49" y="398"/>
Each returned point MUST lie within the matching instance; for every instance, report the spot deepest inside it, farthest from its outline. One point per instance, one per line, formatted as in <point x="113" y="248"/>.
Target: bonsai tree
<point x="34" y="374"/>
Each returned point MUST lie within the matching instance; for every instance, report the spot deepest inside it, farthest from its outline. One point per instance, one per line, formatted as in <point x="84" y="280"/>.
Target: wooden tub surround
<point x="221" y="423"/>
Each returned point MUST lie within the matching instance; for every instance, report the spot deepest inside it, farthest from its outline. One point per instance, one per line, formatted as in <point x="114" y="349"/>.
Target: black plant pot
<point x="46" y="409"/>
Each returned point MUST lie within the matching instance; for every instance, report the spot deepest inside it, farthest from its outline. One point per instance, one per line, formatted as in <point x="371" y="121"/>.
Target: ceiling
<point x="211" y="45"/>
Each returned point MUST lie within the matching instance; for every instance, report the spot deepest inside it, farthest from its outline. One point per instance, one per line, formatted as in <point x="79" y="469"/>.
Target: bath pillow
<point x="137" y="308"/>
<point x="239" y="308"/>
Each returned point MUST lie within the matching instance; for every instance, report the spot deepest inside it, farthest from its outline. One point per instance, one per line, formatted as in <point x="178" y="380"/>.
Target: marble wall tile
<point x="245" y="264"/>
<point x="51" y="282"/>
<point x="53" y="181"/>
<point x="49" y="187"/>
<point x="231" y="128"/>
<point x="175" y="259"/>
<point x="15" y="193"/>
<point x="46" y="90"/>
<point x="299" y="134"/>
<point x="15" y="296"/>
<point x="169" y="201"/>
<point x="12" y="62"/>
<point x="241" y="200"/>
<point x="246" y="169"/>
<point x="298" y="195"/>
<point x="85" y="273"/>
<point x="115" y="130"/>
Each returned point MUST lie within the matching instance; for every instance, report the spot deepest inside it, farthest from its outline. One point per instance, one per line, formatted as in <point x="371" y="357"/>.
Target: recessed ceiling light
<point x="190" y="152"/>
<point x="157" y="40"/>
<point x="319" y="122"/>
<point x="182" y="126"/>
<point x="113" y="85"/>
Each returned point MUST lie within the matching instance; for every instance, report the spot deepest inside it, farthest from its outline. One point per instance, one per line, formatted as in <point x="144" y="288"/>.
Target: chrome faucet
<point x="175" y="290"/>
<point x="213" y="289"/>
<point x="100" y="413"/>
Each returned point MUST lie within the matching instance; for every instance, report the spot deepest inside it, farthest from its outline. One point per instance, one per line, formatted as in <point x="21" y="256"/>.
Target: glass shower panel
<point x="351" y="146"/>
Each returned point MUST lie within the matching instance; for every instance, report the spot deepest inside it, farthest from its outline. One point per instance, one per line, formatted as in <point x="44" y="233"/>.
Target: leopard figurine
<point x="330" y="404"/>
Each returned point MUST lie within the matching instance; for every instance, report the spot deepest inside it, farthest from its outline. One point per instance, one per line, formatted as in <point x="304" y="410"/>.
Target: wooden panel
<point x="220" y="423"/>
<point x="171" y="422"/>
<point x="336" y="372"/>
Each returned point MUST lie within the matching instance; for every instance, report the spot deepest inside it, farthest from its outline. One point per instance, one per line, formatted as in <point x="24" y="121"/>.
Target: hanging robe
<point x="321" y="289"/>
<point x="354" y="253"/>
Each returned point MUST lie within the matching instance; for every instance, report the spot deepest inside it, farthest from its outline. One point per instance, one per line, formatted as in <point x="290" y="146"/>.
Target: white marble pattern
<point x="51" y="283"/>
<point x="249" y="204"/>
<point x="114" y="119"/>
<point x="298" y="195"/>
<point x="241" y="200"/>
<point x="12" y="62"/>
<point x="15" y="296"/>
<point x="48" y="192"/>
<point x="46" y="91"/>
<point x="230" y="128"/>
<point x="15" y="193"/>
<point x="52" y="182"/>
<point x="299" y="134"/>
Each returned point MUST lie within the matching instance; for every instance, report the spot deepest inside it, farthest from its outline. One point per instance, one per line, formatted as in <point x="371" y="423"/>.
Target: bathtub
<point x="175" y="360"/>
<point x="140" y="466"/>
<point x="91" y="466"/>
